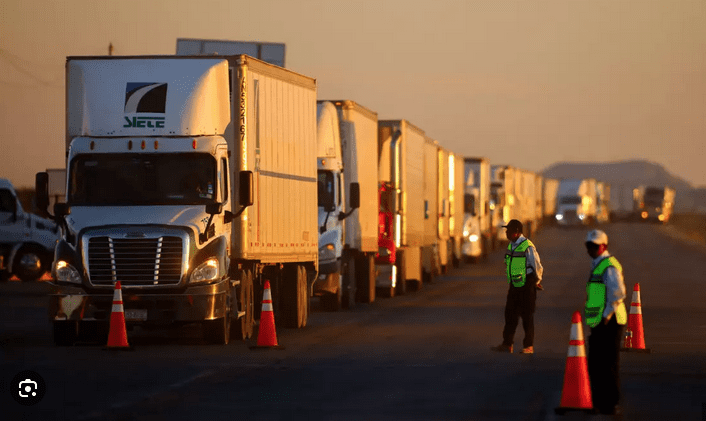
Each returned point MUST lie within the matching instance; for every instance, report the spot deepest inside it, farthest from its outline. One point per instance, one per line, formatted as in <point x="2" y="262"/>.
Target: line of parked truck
<point x="193" y="179"/>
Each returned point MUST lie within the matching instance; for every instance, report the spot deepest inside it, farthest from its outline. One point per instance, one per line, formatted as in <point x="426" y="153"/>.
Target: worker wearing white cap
<point x="606" y="315"/>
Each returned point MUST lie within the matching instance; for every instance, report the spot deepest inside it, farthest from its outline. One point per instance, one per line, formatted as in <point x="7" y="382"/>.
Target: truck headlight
<point x="205" y="272"/>
<point x="64" y="272"/>
<point x="473" y="238"/>
<point x="327" y="252"/>
<point x="559" y="217"/>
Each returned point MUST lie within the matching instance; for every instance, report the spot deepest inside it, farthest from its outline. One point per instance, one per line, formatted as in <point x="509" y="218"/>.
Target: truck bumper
<point x="198" y="303"/>
<point x="330" y="267"/>
<point x="472" y="248"/>
<point x="386" y="276"/>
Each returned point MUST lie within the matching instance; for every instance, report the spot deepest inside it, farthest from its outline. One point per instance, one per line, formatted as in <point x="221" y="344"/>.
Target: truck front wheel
<point x="218" y="331"/>
<point x="30" y="264"/>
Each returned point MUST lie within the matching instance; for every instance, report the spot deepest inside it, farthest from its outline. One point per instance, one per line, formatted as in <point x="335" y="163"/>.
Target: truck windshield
<point x="654" y="197"/>
<point x="571" y="200"/>
<point x="131" y="179"/>
<point x="469" y="204"/>
<point x="327" y="194"/>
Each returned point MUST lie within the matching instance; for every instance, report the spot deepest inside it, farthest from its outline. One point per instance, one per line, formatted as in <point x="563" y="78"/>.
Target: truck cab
<point x="335" y="284"/>
<point x="27" y="241"/>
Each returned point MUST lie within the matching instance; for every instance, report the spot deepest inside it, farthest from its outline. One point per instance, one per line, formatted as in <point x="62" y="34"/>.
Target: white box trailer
<point x="525" y="193"/>
<point x="269" y="52"/>
<point x="456" y="205"/>
<point x="205" y="169"/>
<point x="433" y="197"/>
<point x="507" y="198"/>
<point x="401" y="172"/>
<point x="348" y="203"/>
<point x="603" y="209"/>
<point x="538" y="201"/>
<point x="444" y="207"/>
<point x="550" y="187"/>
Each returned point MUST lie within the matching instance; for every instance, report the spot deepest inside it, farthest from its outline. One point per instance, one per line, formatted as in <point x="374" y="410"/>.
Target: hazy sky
<point x="525" y="82"/>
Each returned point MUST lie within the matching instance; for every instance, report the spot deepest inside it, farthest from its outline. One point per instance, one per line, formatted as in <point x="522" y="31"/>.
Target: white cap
<point x="597" y="237"/>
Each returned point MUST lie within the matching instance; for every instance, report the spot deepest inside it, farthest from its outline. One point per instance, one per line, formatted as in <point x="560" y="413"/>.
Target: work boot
<point x="527" y="350"/>
<point x="502" y="348"/>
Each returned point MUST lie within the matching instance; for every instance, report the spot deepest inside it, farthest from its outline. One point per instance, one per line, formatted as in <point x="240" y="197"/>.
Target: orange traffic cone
<point x="576" y="393"/>
<point x="117" y="337"/>
<point x="266" y="335"/>
<point x="635" y="335"/>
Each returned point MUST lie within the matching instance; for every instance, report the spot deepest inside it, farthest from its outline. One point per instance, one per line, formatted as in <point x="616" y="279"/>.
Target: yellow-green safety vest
<point x="516" y="263"/>
<point x="596" y="294"/>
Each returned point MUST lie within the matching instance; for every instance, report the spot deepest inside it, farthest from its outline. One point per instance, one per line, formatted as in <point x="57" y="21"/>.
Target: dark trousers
<point x="604" y="364"/>
<point x="520" y="303"/>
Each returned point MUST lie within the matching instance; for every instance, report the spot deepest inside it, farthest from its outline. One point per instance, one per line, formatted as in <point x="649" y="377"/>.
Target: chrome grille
<point x="135" y="261"/>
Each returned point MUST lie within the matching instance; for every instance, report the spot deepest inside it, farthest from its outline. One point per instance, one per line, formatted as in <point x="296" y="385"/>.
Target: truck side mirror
<point x="61" y="210"/>
<point x="355" y="196"/>
<point x="41" y="187"/>
<point x="214" y="208"/>
<point x="245" y="188"/>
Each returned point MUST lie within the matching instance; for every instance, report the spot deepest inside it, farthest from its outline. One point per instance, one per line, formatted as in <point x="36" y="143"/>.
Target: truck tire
<point x="30" y="264"/>
<point x="65" y="332"/>
<point x="303" y="282"/>
<point x="294" y="296"/>
<point x="365" y="276"/>
<point x="333" y="301"/>
<point x="245" y="325"/>
<point x="217" y="331"/>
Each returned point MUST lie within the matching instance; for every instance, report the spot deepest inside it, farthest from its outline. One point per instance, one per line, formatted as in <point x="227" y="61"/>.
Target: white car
<point x="27" y="241"/>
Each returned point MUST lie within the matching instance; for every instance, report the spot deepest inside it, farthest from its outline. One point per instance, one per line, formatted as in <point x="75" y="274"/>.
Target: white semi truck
<point x="191" y="180"/>
<point x="347" y="136"/>
<point x="576" y="202"/>
<point x="476" y="227"/>
<point x="654" y="203"/>
<point x="401" y="216"/>
<point x="27" y="241"/>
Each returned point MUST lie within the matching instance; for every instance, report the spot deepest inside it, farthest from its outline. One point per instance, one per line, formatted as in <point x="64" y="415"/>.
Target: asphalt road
<point x="423" y="356"/>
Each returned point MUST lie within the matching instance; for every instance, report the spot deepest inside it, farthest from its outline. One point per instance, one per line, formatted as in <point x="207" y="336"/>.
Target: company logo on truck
<point x="145" y="97"/>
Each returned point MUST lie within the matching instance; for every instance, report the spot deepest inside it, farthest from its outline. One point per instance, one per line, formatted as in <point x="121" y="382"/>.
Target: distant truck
<point x="504" y="205"/>
<point x="603" y="208"/>
<point x="401" y="216"/>
<point x="27" y="241"/>
<point x="191" y="180"/>
<point x="654" y="203"/>
<point x="550" y="188"/>
<point x="477" y="229"/>
<point x="436" y="192"/>
<point x="526" y="200"/>
<point x="576" y="202"/>
<point x="348" y="203"/>
<point x="450" y="208"/>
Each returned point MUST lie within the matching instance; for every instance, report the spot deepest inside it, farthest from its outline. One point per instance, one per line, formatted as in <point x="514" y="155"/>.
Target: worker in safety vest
<point x="523" y="271"/>
<point x="605" y="315"/>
